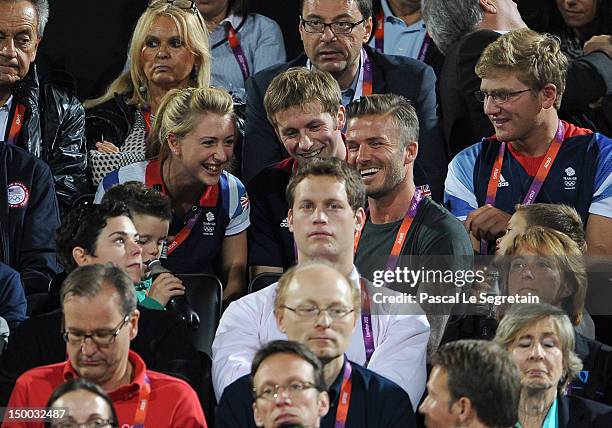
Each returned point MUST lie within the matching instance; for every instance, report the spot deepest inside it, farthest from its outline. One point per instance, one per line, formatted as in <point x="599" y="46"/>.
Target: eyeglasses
<point x="94" y="423"/>
<point x="498" y="97"/>
<point x="181" y="4"/>
<point x="293" y="389"/>
<point x="100" y="338"/>
<point x="341" y="27"/>
<point x="311" y="312"/>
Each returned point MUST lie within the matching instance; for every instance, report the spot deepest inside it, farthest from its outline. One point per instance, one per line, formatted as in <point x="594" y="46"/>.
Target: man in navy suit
<point x="334" y="33"/>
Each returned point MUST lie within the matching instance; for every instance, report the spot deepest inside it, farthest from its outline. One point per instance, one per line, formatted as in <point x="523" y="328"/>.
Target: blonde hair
<point x="178" y="115"/>
<point x="568" y="257"/>
<point x="522" y="316"/>
<point x="298" y="87"/>
<point x="536" y="59"/>
<point x="195" y="37"/>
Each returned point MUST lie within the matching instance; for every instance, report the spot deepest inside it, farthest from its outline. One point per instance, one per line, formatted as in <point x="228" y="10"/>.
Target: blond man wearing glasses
<point x="100" y="320"/>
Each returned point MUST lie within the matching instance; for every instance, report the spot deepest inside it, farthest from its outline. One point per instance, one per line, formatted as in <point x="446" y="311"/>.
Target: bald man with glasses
<point x="316" y="305"/>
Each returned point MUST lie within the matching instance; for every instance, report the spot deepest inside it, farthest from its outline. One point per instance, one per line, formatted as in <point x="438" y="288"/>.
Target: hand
<point x="487" y="222"/>
<point x="106" y="147"/>
<point x="601" y="43"/>
<point x="165" y="287"/>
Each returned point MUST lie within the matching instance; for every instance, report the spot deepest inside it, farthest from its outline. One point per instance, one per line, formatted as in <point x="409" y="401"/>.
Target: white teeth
<point x="370" y="171"/>
<point x="311" y="154"/>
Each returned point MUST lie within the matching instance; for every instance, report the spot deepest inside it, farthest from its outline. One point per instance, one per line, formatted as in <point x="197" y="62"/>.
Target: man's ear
<point x="488" y="6"/>
<point x="368" y="30"/>
<point x="549" y="95"/>
<point x="360" y="219"/>
<point x="279" y="315"/>
<point x="323" y="403"/>
<point x="80" y="256"/>
<point x="133" y="323"/>
<point x="341" y="118"/>
<point x="410" y="152"/>
<point x="463" y="410"/>
<point x="290" y="219"/>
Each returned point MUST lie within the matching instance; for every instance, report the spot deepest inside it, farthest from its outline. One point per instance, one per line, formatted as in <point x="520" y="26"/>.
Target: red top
<point x="531" y="164"/>
<point x="172" y="403"/>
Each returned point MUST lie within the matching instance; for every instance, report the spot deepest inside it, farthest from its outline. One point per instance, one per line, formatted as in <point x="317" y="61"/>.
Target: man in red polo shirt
<point x="100" y="319"/>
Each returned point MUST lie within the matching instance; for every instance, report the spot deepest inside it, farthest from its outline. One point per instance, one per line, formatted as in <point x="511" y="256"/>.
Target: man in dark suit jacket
<point x="340" y="51"/>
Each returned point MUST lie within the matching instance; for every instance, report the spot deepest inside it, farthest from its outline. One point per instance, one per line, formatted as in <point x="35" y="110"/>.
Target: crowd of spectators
<point x="329" y="213"/>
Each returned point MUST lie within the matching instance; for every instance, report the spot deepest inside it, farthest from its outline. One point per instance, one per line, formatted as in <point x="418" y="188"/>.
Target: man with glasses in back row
<point x="335" y="33"/>
<point x="100" y="320"/>
<point x="533" y="156"/>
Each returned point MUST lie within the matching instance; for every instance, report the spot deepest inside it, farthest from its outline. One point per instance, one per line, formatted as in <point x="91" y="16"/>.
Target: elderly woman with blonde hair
<point x="169" y="50"/>
<point x="540" y="339"/>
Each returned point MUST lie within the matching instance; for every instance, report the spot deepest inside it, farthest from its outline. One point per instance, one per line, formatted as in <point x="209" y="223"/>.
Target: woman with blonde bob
<point x="540" y="339"/>
<point x="169" y="50"/>
<point x="191" y="144"/>
<point x="548" y="264"/>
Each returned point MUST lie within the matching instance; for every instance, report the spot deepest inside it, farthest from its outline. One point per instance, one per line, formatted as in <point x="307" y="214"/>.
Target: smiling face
<point x="166" y="61"/>
<point x="538" y="354"/>
<point x="539" y="275"/>
<point x="577" y="13"/>
<point x="336" y="54"/>
<point x="18" y="40"/>
<point x="99" y="364"/>
<point x="117" y="243"/>
<point x="376" y="151"/>
<point x="521" y="116"/>
<point x="322" y="221"/>
<point x="322" y="287"/>
<point x="207" y="149"/>
<point x="303" y="408"/>
<point x="308" y="132"/>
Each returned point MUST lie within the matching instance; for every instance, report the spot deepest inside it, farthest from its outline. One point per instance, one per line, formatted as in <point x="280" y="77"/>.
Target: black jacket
<point x="390" y="74"/>
<point x="113" y="120"/>
<point x="29" y="220"/>
<point x="54" y="131"/>
<point x="575" y="412"/>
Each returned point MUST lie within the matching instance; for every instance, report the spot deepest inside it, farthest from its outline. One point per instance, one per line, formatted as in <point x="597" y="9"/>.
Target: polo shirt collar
<point x="124" y="391"/>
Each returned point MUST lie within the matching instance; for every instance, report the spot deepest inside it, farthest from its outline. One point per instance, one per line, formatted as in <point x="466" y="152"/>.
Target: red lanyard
<point x="146" y="115"/>
<point x="143" y="399"/>
<point x="208" y="199"/>
<point x="16" y="124"/>
<point x="538" y="180"/>
<point x="400" y="239"/>
<point x="379" y="35"/>
<point x="345" y="396"/>
<point x="234" y="42"/>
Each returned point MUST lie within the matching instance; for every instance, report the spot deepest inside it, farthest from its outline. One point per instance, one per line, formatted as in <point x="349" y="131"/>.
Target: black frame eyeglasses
<point x="318" y="27"/>
<point x="100" y="338"/>
<point x="498" y="97"/>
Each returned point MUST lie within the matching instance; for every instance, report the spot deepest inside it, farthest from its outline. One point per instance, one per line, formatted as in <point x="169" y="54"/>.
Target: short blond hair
<point x="536" y="59"/>
<point x="178" y="113"/>
<point x="290" y="274"/>
<point x="300" y="87"/>
<point x="568" y="257"/>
